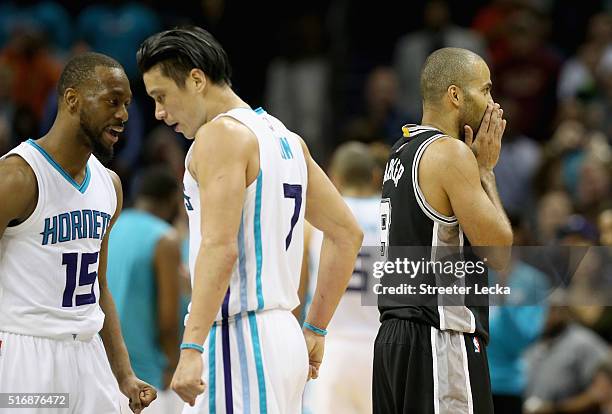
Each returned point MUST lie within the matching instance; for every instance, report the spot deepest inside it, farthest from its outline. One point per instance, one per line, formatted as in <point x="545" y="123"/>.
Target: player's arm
<point x="18" y="191"/>
<point x="139" y="393"/>
<point x="167" y="263"/>
<point x="342" y="237"/>
<point x="304" y="274"/>
<point x="473" y="198"/>
<point x="219" y="163"/>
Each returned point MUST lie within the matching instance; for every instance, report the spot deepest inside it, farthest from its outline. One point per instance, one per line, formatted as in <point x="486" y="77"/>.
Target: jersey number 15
<point x="86" y="278"/>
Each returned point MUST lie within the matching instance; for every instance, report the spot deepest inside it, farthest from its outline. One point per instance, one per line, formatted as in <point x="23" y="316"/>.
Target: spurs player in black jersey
<point x="439" y="190"/>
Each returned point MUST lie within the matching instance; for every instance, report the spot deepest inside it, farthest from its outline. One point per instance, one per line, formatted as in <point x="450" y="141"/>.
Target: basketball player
<point x="144" y="272"/>
<point x="249" y="184"/>
<point x="344" y="385"/>
<point x="58" y="205"/>
<point x="439" y="190"/>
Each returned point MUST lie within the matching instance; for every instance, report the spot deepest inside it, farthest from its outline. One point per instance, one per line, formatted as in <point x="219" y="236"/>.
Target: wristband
<point x="314" y="329"/>
<point x="190" y="345"/>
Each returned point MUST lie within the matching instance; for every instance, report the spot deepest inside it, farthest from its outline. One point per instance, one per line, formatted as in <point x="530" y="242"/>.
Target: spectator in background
<point x="380" y="152"/>
<point x="515" y="323"/>
<point x="604" y="224"/>
<point x="382" y="120"/>
<point x="562" y="364"/>
<point x="578" y="78"/>
<point x="35" y="71"/>
<point x="298" y="83"/>
<point x="412" y="50"/>
<point x="528" y="74"/>
<point x="519" y="160"/>
<point x="602" y="386"/>
<point x="144" y="265"/>
<point x="7" y="109"/>
<point x="117" y="29"/>
<point x="491" y="22"/>
<point x="553" y="210"/>
<point x="48" y="16"/>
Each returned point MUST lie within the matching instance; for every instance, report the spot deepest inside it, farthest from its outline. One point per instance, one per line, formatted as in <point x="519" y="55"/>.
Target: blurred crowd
<point x="332" y="72"/>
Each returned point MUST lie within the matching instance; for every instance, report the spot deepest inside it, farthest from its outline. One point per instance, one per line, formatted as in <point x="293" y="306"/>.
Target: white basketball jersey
<point x="49" y="262"/>
<point x="352" y="320"/>
<point x="271" y="236"/>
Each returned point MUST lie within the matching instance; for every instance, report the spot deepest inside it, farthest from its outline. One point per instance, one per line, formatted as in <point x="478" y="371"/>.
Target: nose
<point x="160" y="113"/>
<point x="122" y="114"/>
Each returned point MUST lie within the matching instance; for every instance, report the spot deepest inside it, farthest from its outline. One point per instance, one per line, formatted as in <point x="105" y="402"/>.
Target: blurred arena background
<point x="344" y="70"/>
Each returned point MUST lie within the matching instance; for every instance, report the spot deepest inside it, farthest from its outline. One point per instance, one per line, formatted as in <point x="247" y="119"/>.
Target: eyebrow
<point x="118" y="91"/>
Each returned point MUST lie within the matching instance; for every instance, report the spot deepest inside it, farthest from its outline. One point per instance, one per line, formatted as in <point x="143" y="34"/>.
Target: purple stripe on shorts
<point x="224" y="307"/>
<point x="227" y="367"/>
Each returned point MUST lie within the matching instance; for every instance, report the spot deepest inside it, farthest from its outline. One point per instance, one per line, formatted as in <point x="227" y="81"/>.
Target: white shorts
<point x="344" y="385"/>
<point x="255" y="363"/>
<point x="30" y="364"/>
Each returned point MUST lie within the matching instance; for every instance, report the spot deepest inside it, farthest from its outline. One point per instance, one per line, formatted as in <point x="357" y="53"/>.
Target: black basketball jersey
<point x="408" y="220"/>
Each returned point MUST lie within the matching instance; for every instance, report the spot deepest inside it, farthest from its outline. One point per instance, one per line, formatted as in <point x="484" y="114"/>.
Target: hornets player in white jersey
<point x="344" y="385"/>
<point x="58" y="205"/>
<point x="249" y="184"/>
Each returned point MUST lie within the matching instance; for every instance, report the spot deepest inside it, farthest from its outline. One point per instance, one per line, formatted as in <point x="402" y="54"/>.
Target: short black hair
<point x="443" y="68"/>
<point x="157" y="183"/>
<point x="82" y="68"/>
<point x="180" y="50"/>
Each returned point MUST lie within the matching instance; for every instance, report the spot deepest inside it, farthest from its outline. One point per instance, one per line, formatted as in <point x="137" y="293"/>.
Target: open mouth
<point x="112" y="133"/>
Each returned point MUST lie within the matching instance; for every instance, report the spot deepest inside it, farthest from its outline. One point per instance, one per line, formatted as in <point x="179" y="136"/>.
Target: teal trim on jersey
<point x="244" y="368"/>
<point x="258" y="254"/>
<point x="286" y="149"/>
<point x="259" y="110"/>
<point x="81" y="187"/>
<point x="244" y="304"/>
<point x="212" y="366"/>
<point x="261" y="379"/>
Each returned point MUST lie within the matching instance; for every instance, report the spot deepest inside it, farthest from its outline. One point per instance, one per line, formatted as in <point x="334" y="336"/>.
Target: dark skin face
<point x="102" y="110"/>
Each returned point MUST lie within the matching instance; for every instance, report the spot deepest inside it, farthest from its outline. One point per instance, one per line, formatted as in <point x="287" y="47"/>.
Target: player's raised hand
<point x="487" y="144"/>
<point x="139" y="393"/>
<point x="187" y="380"/>
<point x="315" y="345"/>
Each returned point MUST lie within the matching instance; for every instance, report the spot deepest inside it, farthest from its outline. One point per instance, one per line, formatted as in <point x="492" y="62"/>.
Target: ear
<point x="198" y="78"/>
<point x="455" y="95"/>
<point x="71" y="100"/>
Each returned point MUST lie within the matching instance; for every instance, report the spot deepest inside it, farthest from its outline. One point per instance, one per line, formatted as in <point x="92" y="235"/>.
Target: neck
<point x="357" y="192"/>
<point x="222" y="99"/>
<point x="441" y="121"/>
<point x="151" y="207"/>
<point x="64" y="145"/>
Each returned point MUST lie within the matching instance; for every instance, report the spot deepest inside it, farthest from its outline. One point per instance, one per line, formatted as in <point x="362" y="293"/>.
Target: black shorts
<point x="419" y="369"/>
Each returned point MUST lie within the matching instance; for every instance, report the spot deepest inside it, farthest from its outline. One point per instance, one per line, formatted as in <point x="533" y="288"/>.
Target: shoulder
<point x="169" y="241"/>
<point x="225" y="127"/>
<point x="115" y="179"/>
<point x="448" y="156"/>
<point x="224" y="136"/>
<point x="18" y="177"/>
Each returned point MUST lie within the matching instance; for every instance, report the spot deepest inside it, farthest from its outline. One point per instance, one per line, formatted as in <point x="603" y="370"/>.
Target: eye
<point x="113" y="102"/>
<point x="160" y="99"/>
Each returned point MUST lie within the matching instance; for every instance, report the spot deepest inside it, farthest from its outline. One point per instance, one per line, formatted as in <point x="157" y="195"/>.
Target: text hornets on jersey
<point x="80" y="224"/>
